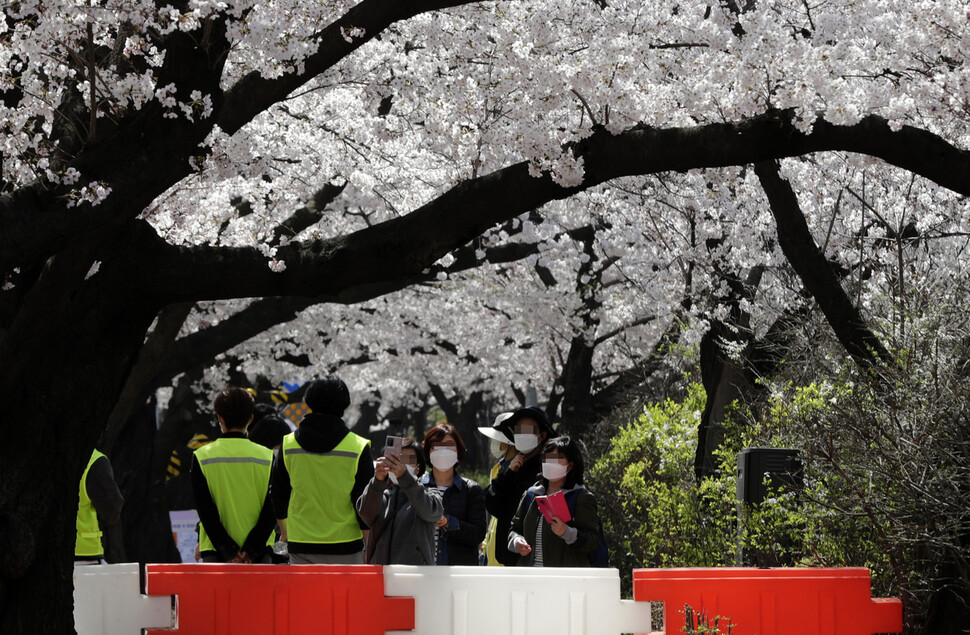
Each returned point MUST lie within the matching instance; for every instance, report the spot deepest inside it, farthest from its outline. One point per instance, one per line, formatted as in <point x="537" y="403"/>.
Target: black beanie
<point x="262" y="410"/>
<point x="328" y="396"/>
<point x="269" y="431"/>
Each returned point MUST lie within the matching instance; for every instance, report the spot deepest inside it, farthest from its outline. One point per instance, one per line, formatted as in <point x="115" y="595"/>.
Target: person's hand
<point x="380" y="469"/>
<point x="442" y="522"/>
<point x="522" y="547"/>
<point x="558" y="526"/>
<point x="241" y="558"/>
<point x="396" y="465"/>
<point x="517" y="462"/>
<point x="198" y="553"/>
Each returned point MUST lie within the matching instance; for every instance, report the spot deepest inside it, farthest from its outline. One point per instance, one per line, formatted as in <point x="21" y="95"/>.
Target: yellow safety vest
<point x="88" y="542"/>
<point x="490" y="536"/>
<point x="320" y="510"/>
<point x="237" y="472"/>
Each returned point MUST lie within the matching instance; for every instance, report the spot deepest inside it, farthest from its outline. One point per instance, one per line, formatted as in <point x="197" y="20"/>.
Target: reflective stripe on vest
<point x="237" y="472"/>
<point x="320" y="510"/>
<point x="88" y="541"/>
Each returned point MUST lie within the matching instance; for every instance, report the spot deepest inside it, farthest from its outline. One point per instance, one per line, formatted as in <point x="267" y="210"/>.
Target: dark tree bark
<point x="815" y="272"/>
<point x="69" y="340"/>
<point x="576" y="378"/>
<point x="133" y="395"/>
<point x="726" y="379"/>
<point x="465" y="415"/>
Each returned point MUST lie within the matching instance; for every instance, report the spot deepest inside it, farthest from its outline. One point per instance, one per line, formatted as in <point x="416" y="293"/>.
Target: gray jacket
<point x="402" y="521"/>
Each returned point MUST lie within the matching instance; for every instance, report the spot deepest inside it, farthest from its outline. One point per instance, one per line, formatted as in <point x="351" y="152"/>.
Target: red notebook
<point x="554" y="505"/>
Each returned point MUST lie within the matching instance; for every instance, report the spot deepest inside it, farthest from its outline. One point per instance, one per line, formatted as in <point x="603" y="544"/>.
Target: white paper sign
<point x="183" y="532"/>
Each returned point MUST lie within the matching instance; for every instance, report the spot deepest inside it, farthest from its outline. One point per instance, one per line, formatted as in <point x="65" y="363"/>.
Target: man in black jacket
<point x="529" y="427"/>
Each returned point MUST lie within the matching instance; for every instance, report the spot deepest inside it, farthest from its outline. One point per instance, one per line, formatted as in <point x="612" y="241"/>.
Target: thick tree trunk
<point x="725" y="382"/>
<point x="56" y="408"/>
<point x="815" y="272"/>
<point x="577" y="383"/>
<point x="464" y="416"/>
<point x="65" y="360"/>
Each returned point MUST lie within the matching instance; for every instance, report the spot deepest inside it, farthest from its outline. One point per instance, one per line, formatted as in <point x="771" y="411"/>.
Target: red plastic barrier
<point x="236" y="599"/>
<point x="772" y="601"/>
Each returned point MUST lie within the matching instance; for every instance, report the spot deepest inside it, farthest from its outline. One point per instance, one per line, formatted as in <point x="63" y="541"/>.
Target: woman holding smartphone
<point x="461" y="528"/>
<point x="400" y="512"/>
<point x="559" y="542"/>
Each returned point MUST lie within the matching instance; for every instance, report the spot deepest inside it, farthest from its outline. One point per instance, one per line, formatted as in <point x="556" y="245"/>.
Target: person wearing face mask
<point x="502" y="450"/>
<point x="461" y="528"/>
<point x="401" y="513"/>
<point x="528" y="428"/>
<point x="537" y="543"/>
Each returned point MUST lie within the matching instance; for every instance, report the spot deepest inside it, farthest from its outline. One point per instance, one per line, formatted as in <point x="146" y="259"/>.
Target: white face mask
<point x="412" y="469"/>
<point x="497" y="449"/>
<point x="554" y="471"/>
<point x="526" y="443"/>
<point x="443" y="458"/>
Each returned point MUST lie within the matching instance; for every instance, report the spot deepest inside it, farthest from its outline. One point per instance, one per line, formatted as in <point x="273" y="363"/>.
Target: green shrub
<point x="654" y="512"/>
<point x="657" y="514"/>
<point x="885" y="485"/>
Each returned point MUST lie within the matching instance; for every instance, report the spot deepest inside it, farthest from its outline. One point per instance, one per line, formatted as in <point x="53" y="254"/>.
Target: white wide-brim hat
<point x="493" y="432"/>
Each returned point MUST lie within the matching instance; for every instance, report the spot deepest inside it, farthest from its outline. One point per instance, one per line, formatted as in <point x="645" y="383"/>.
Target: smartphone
<point x="392" y="446"/>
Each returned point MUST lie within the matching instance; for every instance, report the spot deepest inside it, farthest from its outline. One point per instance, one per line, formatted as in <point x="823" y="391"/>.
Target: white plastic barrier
<point x="108" y="601"/>
<point x="516" y="601"/>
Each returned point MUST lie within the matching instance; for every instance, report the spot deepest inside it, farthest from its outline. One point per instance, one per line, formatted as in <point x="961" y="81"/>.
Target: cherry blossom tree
<point x="151" y="153"/>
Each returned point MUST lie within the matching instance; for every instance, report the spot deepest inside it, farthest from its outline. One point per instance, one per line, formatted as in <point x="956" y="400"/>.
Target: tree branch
<point x="202" y="346"/>
<point x="253" y="93"/>
<point x="150" y="153"/>
<point x="813" y="269"/>
<point x="152" y="353"/>
<point x="407" y="245"/>
<point x="309" y="214"/>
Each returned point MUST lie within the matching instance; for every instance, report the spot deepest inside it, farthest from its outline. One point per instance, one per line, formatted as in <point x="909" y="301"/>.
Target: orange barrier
<point x="233" y="599"/>
<point x="772" y="601"/>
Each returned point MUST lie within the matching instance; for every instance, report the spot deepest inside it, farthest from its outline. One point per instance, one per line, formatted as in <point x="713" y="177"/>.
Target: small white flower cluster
<point x="70" y="176"/>
<point x="199" y="105"/>
<point x="95" y="267"/>
<point x="94" y="193"/>
<point x="349" y="34"/>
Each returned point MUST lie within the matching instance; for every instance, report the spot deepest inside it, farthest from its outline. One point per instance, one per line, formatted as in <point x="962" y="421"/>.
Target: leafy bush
<point x="654" y="512"/>
<point x="886" y="485"/>
<point x="887" y="477"/>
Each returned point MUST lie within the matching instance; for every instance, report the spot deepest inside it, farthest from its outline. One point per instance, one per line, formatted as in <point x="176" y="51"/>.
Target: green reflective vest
<point x="88" y="542"/>
<point x="320" y="510"/>
<point x="237" y="472"/>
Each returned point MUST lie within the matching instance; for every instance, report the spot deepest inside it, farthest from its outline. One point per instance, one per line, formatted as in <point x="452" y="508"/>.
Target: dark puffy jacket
<point x="465" y="508"/>
<point x="556" y="551"/>
<point x="502" y="498"/>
